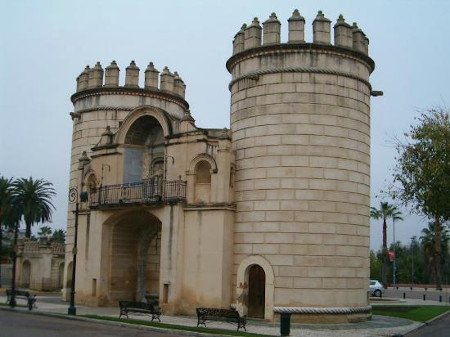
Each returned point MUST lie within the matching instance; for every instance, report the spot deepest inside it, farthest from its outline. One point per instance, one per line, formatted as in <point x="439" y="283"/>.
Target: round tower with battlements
<point x="101" y="105"/>
<point x="300" y="122"/>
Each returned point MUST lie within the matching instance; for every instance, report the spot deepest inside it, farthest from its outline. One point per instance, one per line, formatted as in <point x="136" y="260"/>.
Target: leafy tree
<point x="375" y="266"/>
<point x="34" y="198"/>
<point x="59" y="235"/>
<point x="421" y="176"/>
<point x="418" y="262"/>
<point x="428" y="239"/>
<point x="385" y="212"/>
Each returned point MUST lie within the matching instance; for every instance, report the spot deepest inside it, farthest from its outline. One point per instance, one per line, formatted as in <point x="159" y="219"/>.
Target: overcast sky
<point x="44" y="45"/>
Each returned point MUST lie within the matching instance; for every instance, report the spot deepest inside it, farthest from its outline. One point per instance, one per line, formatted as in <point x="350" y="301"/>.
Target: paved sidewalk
<point x="378" y="326"/>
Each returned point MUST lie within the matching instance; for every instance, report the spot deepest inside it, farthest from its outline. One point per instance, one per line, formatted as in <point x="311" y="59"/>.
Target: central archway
<point x="135" y="256"/>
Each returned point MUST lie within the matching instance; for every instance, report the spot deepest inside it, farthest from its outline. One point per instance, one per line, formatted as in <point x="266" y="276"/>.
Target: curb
<point x="424" y="324"/>
<point x="436" y="318"/>
<point x="121" y="324"/>
<point x="410" y="331"/>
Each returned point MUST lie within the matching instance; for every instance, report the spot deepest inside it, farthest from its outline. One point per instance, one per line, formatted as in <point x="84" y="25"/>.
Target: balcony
<point x="147" y="192"/>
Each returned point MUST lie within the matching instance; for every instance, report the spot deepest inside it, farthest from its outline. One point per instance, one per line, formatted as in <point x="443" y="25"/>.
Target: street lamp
<point x="12" y="300"/>
<point x="394" y="265"/>
<point x="413" y="239"/>
<point x="73" y="197"/>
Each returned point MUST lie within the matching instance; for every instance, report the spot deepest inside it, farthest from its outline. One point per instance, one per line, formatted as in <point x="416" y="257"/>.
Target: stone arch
<point x="26" y="274"/>
<point x="201" y="192"/>
<point x="202" y="182"/>
<point x="159" y="114"/>
<point x="90" y="181"/>
<point x="142" y="137"/>
<point x="242" y="283"/>
<point x="202" y="157"/>
<point x="134" y="253"/>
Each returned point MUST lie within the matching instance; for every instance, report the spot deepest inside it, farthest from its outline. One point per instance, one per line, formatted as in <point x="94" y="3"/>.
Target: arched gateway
<point x="135" y="242"/>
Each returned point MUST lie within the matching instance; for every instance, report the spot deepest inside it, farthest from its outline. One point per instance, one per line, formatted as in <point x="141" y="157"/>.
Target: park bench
<point x="152" y="299"/>
<point x="228" y="315"/>
<point x="31" y="299"/>
<point x="127" y="307"/>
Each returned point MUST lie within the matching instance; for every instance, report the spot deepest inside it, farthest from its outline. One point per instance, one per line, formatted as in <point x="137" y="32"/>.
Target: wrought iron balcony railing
<point x="148" y="192"/>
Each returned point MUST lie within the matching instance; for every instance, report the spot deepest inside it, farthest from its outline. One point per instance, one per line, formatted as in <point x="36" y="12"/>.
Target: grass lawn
<point x="415" y="313"/>
<point x="178" y="327"/>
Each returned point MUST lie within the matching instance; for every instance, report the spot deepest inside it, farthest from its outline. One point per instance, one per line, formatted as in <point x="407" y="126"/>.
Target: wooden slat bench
<point x="228" y="315"/>
<point x="31" y="299"/>
<point x="127" y="307"/>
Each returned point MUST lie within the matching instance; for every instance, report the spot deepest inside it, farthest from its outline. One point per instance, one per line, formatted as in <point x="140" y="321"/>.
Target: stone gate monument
<point x="270" y="216"/>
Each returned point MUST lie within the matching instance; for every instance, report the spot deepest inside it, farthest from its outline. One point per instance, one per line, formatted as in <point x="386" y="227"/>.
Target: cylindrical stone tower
<point x="100" y="107"/>
<point x="300" y="122"/>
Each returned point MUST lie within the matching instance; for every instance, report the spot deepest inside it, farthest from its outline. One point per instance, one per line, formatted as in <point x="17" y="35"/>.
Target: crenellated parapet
<point x="97" y="78"/>
<point x="345" y="35"/>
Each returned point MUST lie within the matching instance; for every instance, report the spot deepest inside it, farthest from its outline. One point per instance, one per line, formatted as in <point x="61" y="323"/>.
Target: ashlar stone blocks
<point x="303" y="120"/>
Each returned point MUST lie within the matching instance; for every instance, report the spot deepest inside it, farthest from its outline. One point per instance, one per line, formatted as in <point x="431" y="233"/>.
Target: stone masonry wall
<point x="300" y="121"/>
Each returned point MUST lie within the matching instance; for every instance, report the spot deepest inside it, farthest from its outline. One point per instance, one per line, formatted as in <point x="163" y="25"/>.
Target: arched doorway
<point x="256" y="291"/>
<point x="242" y="282"/>
<point x="135" y="256"/>
<point x="26" y="274"/>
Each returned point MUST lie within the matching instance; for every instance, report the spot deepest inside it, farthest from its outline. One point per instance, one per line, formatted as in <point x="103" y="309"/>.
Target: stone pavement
<point x="378" y="326"/>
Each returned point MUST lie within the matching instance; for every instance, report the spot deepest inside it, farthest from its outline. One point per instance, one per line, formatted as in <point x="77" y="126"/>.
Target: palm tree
<point x="44" y="232"/>
<point x="5" y="208"/>
<point x="59" y="235"/>
<point x="34" y="198"/>
<point x="385" y="212"/>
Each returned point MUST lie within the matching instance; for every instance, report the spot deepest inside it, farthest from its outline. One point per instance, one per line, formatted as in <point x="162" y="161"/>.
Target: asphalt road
<point x="430" y="294"/>
<point x="16" y="324"/>
<point x="437" y="328"/>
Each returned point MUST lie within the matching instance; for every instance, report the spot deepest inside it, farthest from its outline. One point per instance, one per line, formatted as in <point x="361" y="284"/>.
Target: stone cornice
<point x="212" y="206"/>
<point x="100" y="108"/>
<point x="155" y="93"/>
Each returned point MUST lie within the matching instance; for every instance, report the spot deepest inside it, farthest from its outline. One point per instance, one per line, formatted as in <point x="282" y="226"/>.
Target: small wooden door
<point x="256" y="291"/>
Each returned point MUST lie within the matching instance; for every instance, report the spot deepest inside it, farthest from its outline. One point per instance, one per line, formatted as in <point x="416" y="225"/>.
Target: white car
<point x="376" y="288"/>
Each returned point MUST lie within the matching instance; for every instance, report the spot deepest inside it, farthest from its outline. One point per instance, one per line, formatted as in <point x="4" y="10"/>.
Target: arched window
<point x="144" y="142"/>
<point x="91" y="184"/>
<point x="203" y="182"/>
<point x="203" y="174"/>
